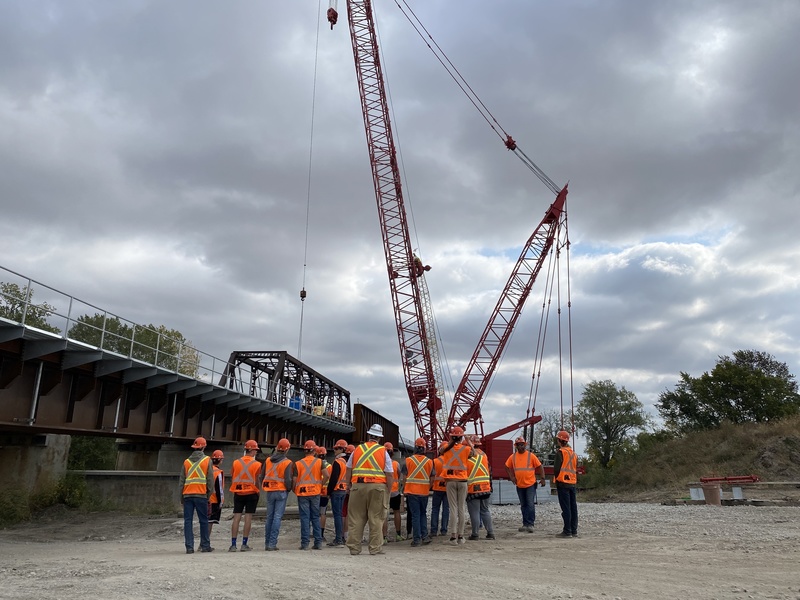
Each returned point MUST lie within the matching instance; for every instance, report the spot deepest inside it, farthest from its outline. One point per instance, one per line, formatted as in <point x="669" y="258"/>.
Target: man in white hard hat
<point x="369" y="476"/>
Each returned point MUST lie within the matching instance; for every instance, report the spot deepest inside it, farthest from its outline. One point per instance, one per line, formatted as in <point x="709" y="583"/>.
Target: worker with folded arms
<point x="245" y="485"/>
<point x="277" y="481"/>
<point x="479" y="489"/>
<point x="454" y="470"/>
<point x="523" y="467"/>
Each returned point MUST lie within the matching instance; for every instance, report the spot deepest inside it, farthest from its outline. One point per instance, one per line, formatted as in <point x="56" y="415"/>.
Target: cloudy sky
<point x="155" y="160"/>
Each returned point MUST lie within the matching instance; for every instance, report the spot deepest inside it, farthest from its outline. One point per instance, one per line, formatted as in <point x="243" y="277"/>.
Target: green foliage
<point x="152" y="344"/>
<point x="92" y="453"/>
<point x="609" y="417"/>
<point x="13" y="299"/>
<point x="544" y="432"/>
<point x="14" y="506"/>
<point x="17" y="505"/>
<point x="750" y="387"/>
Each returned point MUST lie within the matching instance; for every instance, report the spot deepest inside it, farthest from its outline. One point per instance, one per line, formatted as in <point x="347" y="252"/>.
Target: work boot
<point x="523" y="529"/>
<point x="415" y="544"/>
<point x="245" y="548"/>
<point x="304" y="547"/>
<point x="316" y="547"/>
<point x="232" y="549"/>
<point x="190" y="551"/>
<point x="490" y="536"/>
<point x="427" y="539"/>
<point x="473" y="537"/>
<point x="207" y="549"/>
<point x="530" y="529"/>
<point x="564" y="534"/>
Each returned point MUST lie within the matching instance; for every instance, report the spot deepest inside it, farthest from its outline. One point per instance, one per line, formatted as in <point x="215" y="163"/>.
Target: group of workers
<point x="361" y="484"/>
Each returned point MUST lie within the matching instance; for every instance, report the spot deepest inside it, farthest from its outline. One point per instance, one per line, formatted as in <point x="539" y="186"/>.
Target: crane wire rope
<point x="447" y="376"/>
<point x="472" y="96"/>
<point x="308" y="188"/>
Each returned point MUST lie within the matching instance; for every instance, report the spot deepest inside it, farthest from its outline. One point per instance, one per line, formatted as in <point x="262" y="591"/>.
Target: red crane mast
<point x="404" y="268"/>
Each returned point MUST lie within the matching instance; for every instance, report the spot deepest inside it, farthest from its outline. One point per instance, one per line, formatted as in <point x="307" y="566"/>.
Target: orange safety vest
<point x="454" y="463"/>
<point x="218" y="474"/>
<point x="309" y="477"/>
<point x="418" y="480"/>
<point x="369" y="460"/>
<point x="275" y="475"/>
<point x="569" y="466"/>
<point x="439" y="484"/>
<point x="396" y="482"/>
<point x="244" y="475"/>
<point x="479" y="479"/>
<point x="196" y="475"/>
<point x="324" y="488"/>
<point x="524" y="466"/>
<point x="341" y="484"/>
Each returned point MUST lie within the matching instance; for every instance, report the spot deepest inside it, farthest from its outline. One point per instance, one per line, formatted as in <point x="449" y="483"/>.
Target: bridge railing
<point x="35" y="305"/>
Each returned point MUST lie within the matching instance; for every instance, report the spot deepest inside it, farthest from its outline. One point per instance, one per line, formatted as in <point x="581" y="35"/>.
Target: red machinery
<point x="405" y="270"/>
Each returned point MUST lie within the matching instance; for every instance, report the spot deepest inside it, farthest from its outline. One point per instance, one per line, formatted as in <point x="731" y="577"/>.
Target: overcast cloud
<point x="154" y="161"/>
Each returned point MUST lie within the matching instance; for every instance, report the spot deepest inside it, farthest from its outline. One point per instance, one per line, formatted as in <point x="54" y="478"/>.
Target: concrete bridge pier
<point x="33" y="462"/>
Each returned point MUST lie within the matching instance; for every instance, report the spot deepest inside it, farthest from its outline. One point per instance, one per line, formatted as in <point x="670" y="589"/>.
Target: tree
<point x="156" y="345"/>
<point x="751" y="386"/>
<point x="544" y="432"/>
<point x="609" y="417"/>
<point x="13" y="299"/>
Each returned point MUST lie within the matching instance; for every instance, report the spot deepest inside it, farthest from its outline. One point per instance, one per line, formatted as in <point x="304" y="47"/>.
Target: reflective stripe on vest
<point x="242" y="480"/>
<point x="479" y="479"/>
<point x="569" y="466"/>
<point x="341" y="484"/>
<point x="396" y="480"/>
<point x="218" y="475"/>
<point x="275" y="475"/>
<point x="196" y="475"/>
<point x="369" y="460"/>
<point x="323" y="489"/>
<point x="455" y="462"/>
<point x="439" y="484"/>
<point x="418" y="480"/>
<point x="309" y="477"/>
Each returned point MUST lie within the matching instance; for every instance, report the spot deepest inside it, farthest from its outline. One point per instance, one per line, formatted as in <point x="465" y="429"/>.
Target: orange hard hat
<point x="420" y="443"/>
<point x="309" y="445"/>
<point x="322" y="450"/>
<point x="283" y="444"/>
<point x="350" y="449"/>
<point x="520" y="440"/>
<point x="388" y="446"/>
<point x="340" y="444"/>
<point x="217" y="454"/>
<point x="563" y="435"/>
<point x="251" y="445"/>
<point x="456" y="431"/>
<point x="199" y="442"/>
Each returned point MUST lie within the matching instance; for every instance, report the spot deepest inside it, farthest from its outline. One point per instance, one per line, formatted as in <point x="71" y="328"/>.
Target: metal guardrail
<point x="38" y="306"/>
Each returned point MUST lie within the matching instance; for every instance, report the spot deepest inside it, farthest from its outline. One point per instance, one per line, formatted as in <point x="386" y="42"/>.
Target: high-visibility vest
<point x="439" y="483"/>
<point x="275" y="475"/>
<point x="218" y="476"/>
<point x="243" y="476"/>
<point x="569" y="466"/>
<point x="369" y="460"/>
<point x="418" y="480"/>
<point x="524" y="466"/>
<point x="341" y="483"/>
<point x="196" y="475"/>
<point x="309" y="477"/>
<point x="479" y="479"/>
<point x="455" y="462"/>
<point x="324" y="488"/>
<point x="396" y="481"/>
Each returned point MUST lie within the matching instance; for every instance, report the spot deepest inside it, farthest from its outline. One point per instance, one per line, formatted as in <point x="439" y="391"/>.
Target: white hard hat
<point x="375" y="431"/>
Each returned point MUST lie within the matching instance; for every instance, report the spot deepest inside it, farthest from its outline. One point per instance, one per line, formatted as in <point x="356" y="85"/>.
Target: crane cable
<point x="473" y="97"/>
<point x="308" y="189"/>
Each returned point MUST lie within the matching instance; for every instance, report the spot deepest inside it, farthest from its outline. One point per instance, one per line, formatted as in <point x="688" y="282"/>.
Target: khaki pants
<point x="457" y="499"/>
<point x="369" y="503"/>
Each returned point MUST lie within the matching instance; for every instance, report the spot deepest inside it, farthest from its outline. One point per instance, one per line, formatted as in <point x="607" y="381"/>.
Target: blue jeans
<point x="569" y="508"/>
<point x="419" y="515"/>
<point x="192" y="504"/>
<point x="440" y="500"/>
<point x="276" y="505"/>
<point x="308" y="506"/>
<point x="527" y="504"/>
<point x="337" y="506"/>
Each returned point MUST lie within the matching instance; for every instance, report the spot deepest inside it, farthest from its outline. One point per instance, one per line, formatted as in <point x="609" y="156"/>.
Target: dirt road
<point x="625" y="551"/>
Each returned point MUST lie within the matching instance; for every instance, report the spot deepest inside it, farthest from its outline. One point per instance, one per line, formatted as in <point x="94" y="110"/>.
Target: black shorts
<point x="323" y="501"/>
<point x="245" y="503"/>
<point x="214" y="513"/>
<point x="394" y="502"/>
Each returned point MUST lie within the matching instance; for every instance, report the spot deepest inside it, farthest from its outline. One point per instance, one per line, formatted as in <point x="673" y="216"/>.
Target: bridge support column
<point x="137" y="456"/>
<point x="33" y="463"/>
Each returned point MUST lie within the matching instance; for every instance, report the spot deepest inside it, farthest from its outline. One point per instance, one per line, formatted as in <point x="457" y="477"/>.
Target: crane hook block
<point x="510" y="143"/>
<point x="302" y="295"/>
<point x="333" y="16"/>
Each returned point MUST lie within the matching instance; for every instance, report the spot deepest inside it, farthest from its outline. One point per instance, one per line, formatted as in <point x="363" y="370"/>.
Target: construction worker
<point x="395" y="499"/>
<point x="439" y="497"/>
<point x="337" y="490"/>
<point x="322" y="454"/>
<point x="523" y="467"/>
<point x="454" y="470"/>
<point x="218" y="494"/>
<point x="277" y="481"/>
<point x="479" y="489"/>
<point x="565" y="474"/>
<point x="369" y="476"/>
<point x="416" y="477"/>
<point x="348" y="452"/>
<point x="245" y="483"/>
<point x="196" y="484"/>
<point x="309" y="479"/>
